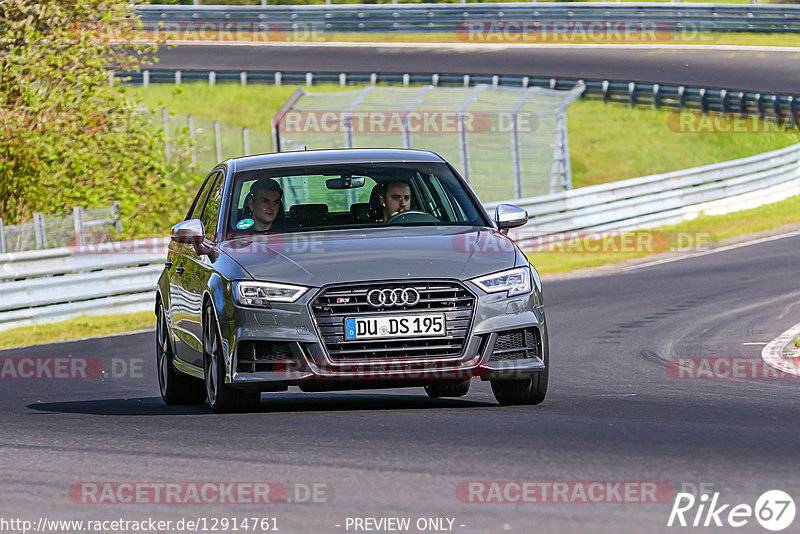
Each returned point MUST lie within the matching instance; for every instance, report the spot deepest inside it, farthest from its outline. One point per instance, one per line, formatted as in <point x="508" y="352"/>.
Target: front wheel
<point x="221" y="398"/>
<point x="531" y="390"/>
<point x="176" y="389"/>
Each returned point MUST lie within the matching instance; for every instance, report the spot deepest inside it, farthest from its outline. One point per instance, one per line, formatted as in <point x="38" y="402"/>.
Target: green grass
<point x="608" y="142"/>
<point x="78" y="328"/>
<point x="702" y="230"/>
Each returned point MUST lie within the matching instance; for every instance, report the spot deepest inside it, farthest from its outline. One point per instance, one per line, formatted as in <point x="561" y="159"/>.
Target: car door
<point x="181" y="300"/>
<point x="198" y="269"/>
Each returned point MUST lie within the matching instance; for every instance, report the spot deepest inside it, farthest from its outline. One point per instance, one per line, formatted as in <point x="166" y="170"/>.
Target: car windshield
<point x="349" y="196"/>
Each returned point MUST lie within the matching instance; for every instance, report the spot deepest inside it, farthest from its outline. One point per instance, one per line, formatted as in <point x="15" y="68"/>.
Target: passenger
<point x="395" y="197"/>
<point x="265" y="204"/>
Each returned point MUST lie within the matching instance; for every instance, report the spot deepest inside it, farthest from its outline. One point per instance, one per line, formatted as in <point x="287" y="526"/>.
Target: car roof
<point x="333" y="157"/>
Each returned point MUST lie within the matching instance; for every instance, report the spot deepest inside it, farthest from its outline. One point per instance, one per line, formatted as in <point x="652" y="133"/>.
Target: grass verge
<point x="608" y="142"/>
<point x="77" y="328"/>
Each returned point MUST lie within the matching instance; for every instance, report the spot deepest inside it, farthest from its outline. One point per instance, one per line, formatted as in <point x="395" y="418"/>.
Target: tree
<point x="68" y="135"/>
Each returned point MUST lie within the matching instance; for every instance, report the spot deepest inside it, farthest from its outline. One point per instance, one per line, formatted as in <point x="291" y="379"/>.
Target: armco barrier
<point x="49" y="285"/>
<point x="663" y="199"/>
<point x="455" y="17"/>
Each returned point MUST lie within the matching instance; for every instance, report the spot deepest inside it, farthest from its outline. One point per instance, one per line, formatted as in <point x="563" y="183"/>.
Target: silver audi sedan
<point x="346" y="269"/>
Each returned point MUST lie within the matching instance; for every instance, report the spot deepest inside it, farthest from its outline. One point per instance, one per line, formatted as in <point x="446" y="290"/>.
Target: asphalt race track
<point x="615" y="412"/>
<point x="753" y="70"/>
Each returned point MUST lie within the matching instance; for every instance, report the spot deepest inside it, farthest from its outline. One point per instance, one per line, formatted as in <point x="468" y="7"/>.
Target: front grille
<point x="336" y="303"/>
<point x="259" y="356"/>
<point x="516" y="345"/>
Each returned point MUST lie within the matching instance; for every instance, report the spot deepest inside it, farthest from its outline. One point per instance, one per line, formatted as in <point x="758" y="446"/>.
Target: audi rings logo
<point x="385" y="298"/>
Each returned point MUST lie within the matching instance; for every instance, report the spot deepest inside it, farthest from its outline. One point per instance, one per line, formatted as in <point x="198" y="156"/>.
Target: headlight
<point x="262" y="293"/>
<point x="515" y="281"/>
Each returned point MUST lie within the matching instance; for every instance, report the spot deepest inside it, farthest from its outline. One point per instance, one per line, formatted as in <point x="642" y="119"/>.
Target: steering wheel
<point x="411" y="216"/>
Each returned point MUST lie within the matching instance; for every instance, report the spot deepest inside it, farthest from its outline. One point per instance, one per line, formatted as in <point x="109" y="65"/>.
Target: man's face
<point x="397" y="199"/>
<point x="265" y="205"/>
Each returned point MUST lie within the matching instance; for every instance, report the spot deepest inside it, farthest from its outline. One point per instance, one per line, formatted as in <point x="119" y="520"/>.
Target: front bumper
<point x="304" y="360"/>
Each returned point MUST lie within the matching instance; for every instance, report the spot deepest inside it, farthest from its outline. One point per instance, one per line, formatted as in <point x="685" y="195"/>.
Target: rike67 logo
<point x="774" y="510"/>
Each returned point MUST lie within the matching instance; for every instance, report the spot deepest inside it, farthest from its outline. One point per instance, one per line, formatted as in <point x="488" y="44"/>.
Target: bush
<point x="67" y="135"/>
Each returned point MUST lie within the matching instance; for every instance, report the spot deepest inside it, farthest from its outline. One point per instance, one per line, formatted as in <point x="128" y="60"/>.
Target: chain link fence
<point x="508" y="142"/>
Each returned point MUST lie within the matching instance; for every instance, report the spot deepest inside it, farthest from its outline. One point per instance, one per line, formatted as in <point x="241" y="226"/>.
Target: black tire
<point x="531" y="390"/>
<point x="176" y="389"/>
<point x="221" y="398"/>
<point x="452" y="389"/>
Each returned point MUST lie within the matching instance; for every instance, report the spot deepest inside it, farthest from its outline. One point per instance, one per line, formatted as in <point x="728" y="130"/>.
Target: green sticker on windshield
<point x="244" y="224"/>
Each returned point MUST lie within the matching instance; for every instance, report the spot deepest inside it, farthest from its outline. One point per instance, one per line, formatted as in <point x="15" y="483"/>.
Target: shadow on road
<point x="270" y="403"/>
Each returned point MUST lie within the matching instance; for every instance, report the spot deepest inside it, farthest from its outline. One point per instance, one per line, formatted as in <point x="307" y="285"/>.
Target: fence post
<point x="218" y="141"/>
<point x="192" y="137"/>
<point x="656" y="96"/>
<point x="77" y="225"/>
<point x="342" y="79"/>
<point x="246" y="141"/>
<point x="38" y="229"/>
<point x="463" y="146"/>
<point x="681" y="97"/>
<point x="167" y="147"/>
<point x="515" y="155"/>
<point x="309" y="79"/>
<point x="606" y="85"/>
<point x="212" y="78"/>
<point x="243" y="78"/>
<point x="632" y="93"/>
<point x="2" y="238"/>
<point x="278" y="78"/>
<point x="146" y="78"/>
<point x="178" y="77"/>
<point x="373" y="78"/>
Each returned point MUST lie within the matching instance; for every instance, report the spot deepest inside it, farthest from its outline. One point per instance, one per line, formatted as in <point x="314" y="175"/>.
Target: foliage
<point x="67" y="136"/>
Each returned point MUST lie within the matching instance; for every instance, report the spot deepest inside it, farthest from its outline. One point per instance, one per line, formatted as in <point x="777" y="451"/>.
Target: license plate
<point x="393" y="327"/>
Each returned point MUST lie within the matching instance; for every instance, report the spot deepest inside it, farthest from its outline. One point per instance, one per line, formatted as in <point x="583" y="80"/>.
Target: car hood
<point x="319" y="258"/>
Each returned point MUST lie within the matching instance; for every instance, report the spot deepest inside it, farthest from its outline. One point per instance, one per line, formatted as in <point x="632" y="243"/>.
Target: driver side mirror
<point x="509" y="216"/>
<point x="191" y="232"/>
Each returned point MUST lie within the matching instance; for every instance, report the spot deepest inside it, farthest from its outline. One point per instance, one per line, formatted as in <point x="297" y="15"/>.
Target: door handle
<point x="180" y="270"/>
<point x="168" y="265"/>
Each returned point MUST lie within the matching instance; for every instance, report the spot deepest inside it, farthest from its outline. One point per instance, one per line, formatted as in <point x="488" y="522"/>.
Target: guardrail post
<point x="193" y="138"/>
<point x="167" y="147"/>
<point x="2" y="238"/>
<point x="793" y="118"/>
<point x="656" y="96"/>
<point x="553" y="83"/>
<point x="681" y="97"/>
<point x="743" y="103"/>
<point x="111" y="78"/>
<point x="212" y="78"/>
<point x="243" y="78"/>
<point x="218" y="140"/>
<point x="178" y="77"/>
<point x="760" y="104"/>
<point x="495" y="80"/>
<point x="309" y="79"/>
<point x="723" y="96"/>
<point x="435" y="80"/>
<point x="373" y="78"/>
<point x="246" y="141"/>
<point x="77" y="225"/>
<point x="278" y="77"/>
<point x="463" y="146"/>
<point x="38" y="229"/>
<point x="145" y="78"/>
<point x="703" y="101"/>
<point x="342" y="79"/>
<point x="525" y="81"/>
<point x="466" y="80"/>
<point x="605" y="91"/>
<point x="632" y="93"/>
<point x="117" y="216"/>
<point x="776" y="108"/>
<point x="406" y="79"/>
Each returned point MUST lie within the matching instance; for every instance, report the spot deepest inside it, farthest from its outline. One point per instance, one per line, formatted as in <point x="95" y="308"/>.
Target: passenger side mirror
<point x="509" y="216"/>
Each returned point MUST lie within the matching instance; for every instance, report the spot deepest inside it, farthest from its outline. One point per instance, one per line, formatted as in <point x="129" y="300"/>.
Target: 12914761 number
<point x="433" y="324"/>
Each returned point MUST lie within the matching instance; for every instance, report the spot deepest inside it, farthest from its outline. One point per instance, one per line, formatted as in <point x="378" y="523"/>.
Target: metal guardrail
<point x="51" y="285"/>
<point x="662" y="199"/>
<point x="776" y="107"/>
<point x="457" y="17"/>
<point x="43" y="286"/>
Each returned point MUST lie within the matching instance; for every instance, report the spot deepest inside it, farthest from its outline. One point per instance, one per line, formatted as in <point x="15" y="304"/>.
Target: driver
<point x="395" y="197"/>
<point x="265" y="204"/>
